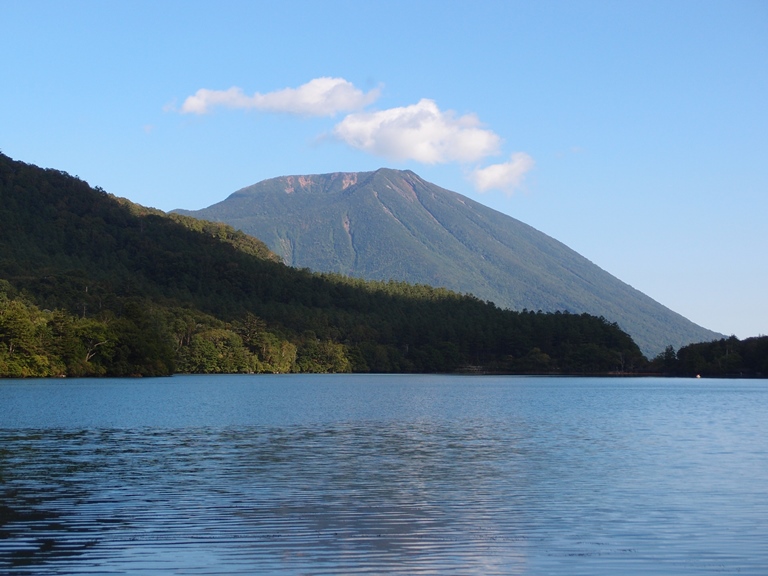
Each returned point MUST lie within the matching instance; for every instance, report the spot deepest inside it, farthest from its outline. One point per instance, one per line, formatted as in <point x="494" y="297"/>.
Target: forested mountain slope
<point x="392" y="224"/>
<point x="91" y="284"/>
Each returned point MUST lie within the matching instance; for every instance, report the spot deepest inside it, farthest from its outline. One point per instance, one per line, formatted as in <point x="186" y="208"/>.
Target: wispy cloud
<point x="319" y="97"/>
<point x="507" y="176"/>
<point x="420" y="132"/>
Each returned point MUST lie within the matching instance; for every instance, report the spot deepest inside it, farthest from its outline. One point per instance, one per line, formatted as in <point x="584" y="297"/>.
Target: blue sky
<point x="636" y="132"/>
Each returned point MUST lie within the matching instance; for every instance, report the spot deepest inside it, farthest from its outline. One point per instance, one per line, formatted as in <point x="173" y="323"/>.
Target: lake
<point x="373" y="474"/>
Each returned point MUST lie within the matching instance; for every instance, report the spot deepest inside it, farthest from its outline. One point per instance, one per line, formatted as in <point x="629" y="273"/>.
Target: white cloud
<point x="204" y="99"/>
<point x="419" y="132"/>
<point x="318" y="97"/>
<point x="506" y="176"/>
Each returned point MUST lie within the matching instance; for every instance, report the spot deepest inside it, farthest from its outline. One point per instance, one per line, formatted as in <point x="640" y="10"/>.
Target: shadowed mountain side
<point x="392" y="224"/>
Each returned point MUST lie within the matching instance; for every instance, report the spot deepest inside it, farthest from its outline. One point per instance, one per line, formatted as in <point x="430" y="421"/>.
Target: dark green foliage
<point x="96" y="285"/>
<point x="391" y="224"/>
<point x="725" y="357"/>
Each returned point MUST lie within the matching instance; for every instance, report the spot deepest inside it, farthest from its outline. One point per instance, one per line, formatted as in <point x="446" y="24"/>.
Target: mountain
<point x="392" y="224"/>
<point x="91" y="284"/>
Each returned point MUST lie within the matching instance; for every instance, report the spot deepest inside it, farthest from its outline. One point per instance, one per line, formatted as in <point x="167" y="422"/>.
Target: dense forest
<point x="728" y="357"/>
<point x="96" y="285"/>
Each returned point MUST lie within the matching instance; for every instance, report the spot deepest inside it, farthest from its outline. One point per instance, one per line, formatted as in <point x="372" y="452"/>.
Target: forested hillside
<point x="95" y="285"/>
<point x="392" y="224"/>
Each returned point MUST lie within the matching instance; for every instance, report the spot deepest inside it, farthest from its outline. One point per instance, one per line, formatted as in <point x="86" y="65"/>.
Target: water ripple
<point x="541" y="488"/>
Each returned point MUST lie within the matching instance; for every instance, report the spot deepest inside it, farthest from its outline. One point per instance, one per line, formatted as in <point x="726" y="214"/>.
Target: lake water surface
<point x="368" y="474"/>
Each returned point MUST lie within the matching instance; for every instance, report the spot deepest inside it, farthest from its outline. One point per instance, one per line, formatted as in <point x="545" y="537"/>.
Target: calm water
<point x="383" y="475"/>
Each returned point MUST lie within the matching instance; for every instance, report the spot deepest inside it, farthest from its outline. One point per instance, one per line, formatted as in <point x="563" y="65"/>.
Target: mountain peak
<point x="392" y="224"/>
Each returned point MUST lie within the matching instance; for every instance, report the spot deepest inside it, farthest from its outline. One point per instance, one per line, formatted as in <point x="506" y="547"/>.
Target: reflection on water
<point x="346" y="497"/>
<point x="378" y="475"/>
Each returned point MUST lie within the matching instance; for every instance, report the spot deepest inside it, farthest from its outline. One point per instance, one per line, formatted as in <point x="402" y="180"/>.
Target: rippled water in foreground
<point x="383" y="475"/>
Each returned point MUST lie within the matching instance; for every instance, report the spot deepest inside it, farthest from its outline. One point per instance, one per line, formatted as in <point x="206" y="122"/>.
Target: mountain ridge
<point x="392" y="224"/>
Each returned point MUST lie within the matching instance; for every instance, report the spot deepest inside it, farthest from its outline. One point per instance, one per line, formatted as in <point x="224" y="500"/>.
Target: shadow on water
<point x="37" y="497"/>
<point x="35" y="537"/>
